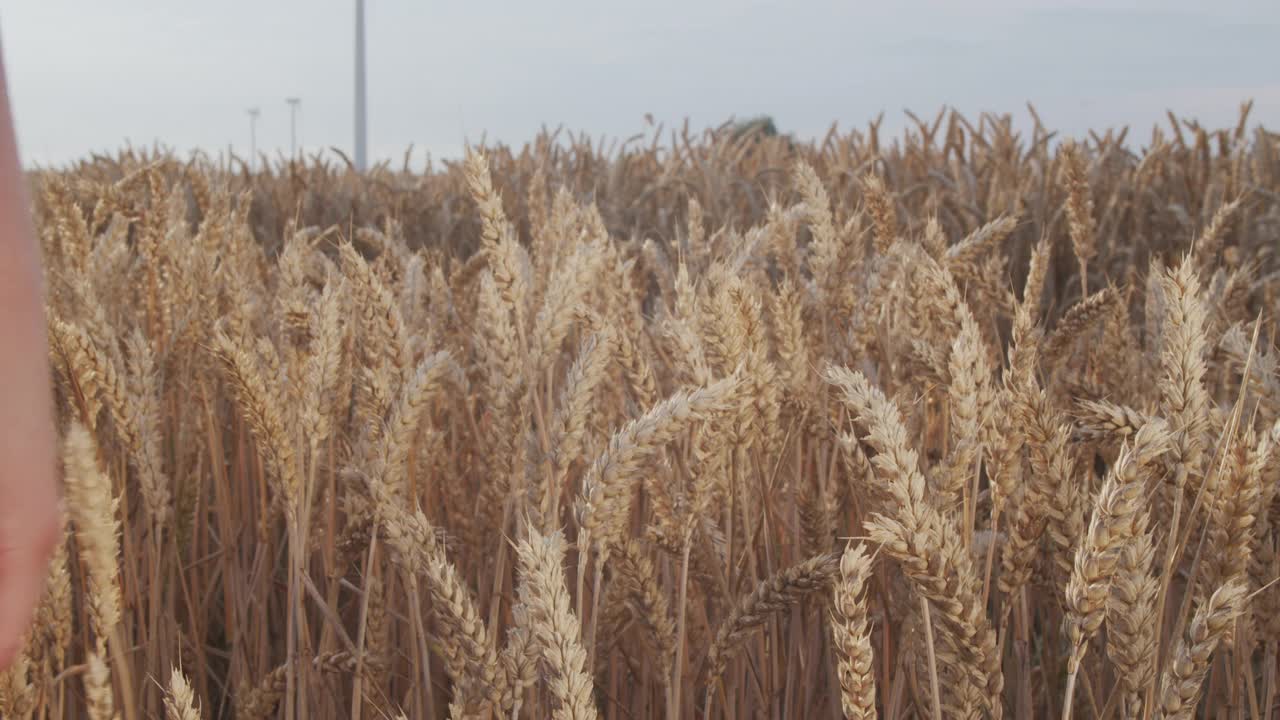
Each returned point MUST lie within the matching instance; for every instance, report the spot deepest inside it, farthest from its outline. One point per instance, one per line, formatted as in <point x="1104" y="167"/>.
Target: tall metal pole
<point x="361" y="158"/>
<point x="293" y="126"/>
<point x="253" y="135"/>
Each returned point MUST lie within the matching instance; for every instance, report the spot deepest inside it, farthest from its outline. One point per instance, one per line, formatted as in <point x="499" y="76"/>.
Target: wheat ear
<point x="926" y="544"/>
<point x="1114" y="524"/>
<point x="773" y="595"/>
<point x="851" y="633"/>
<point x="555" y="628"/>
<point x="1180" y="686"/>
<point x="180" y="704"/>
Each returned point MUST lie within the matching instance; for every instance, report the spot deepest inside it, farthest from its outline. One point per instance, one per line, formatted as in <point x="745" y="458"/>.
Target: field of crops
<point x="961" y="423"/>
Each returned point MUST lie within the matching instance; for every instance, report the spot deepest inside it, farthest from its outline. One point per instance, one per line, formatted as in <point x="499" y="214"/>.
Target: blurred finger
<point x="24" y="566"/>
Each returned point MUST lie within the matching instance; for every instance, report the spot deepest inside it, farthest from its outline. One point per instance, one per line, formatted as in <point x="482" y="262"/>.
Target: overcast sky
<point x="90" y="76"/>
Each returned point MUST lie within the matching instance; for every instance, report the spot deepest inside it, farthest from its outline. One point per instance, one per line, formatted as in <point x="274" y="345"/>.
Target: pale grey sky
<point x="89" y="75"/>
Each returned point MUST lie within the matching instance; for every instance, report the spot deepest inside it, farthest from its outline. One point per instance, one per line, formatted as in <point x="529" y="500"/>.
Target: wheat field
<point x="961" y="423"/>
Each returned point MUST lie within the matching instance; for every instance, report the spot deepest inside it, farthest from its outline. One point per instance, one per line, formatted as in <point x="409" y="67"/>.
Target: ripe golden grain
<point x="560" y="432"/>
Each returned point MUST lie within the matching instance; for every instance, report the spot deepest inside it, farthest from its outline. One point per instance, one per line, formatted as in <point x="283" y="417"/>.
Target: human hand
<point x="29" y="518"/>
<point x="30" y="528"/>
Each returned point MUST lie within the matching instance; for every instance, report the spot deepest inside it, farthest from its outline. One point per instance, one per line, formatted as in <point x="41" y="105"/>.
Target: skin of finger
<point x="24" y="563"/>
<point x="29" y="517"/>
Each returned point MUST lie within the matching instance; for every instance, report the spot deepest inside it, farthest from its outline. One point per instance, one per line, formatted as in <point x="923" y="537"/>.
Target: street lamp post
<point x="293" y="125"/>
<point x="360" y="91"/>
<point x="253" y="135"/>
